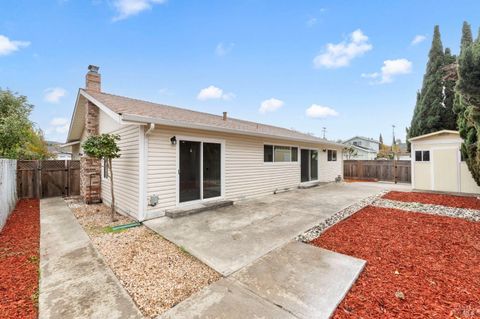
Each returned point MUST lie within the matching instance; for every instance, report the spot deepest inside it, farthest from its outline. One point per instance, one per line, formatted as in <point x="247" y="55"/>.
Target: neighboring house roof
<point x="132" y="111"/>
<point x="362" y="138"/>
<point x="433" y="134"/>
<point x="363" y="149"/>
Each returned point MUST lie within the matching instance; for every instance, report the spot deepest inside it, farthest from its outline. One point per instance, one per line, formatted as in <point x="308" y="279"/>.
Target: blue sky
<point x="350" y="66"/>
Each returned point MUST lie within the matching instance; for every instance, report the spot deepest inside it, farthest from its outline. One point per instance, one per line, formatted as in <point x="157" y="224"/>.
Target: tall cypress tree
<point x="467" y="105"/>
<point x="433" y="108"/>
<point x="467" y="37"/>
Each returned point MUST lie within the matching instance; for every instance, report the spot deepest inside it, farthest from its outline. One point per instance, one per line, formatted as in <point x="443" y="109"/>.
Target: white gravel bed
<point x="317" y="230"/>
<point x="155" y="272"/>
<point x="469" y="214"/>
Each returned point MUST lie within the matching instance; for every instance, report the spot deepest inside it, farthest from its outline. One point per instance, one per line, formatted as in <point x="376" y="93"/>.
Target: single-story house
<point x="171" y="157"/>
<point x="437" y="164"/>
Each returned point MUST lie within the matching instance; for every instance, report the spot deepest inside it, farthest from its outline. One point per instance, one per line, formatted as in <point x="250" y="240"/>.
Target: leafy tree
<point x="104" y="147"/>
<point x="467" y="106"/>
<point x="350" y="152"/>
<point x="14" y="123"/>
<point x="434" y="106"/>
<point x="35" y="147"/>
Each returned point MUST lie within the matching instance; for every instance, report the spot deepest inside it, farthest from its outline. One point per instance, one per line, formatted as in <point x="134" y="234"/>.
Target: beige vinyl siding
<point x="125" y="172"/>
<point x="468" y="184"/>
<point x="423" y="176"/>
<point x="246" y="174"/>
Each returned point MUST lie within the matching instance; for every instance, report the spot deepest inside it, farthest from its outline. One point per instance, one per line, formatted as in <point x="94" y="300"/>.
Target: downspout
<point x="151" y="127"/>
<point x="144" y="174"/>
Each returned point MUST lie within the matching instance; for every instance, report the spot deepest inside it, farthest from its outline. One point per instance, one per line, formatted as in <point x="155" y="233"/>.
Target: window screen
<point x="426" y="156"/>
<point x="418" y="156"/>
<point x="282" y="154"/>
<point x="331" y="155"/>
<point x="268" y="153"/>
<point x="294" y="154"/>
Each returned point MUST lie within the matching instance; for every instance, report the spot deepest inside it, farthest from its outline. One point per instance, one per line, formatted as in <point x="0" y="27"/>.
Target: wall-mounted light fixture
<point x="173" y="140"/>
<point x="324" y="150"/>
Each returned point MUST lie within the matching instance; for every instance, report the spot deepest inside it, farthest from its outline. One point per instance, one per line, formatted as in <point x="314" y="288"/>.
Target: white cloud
<point x="214" y="93"/>
<point x="223" y="49"/>
<point x="389" y="70"/>
<point x="53" y="95"/>
<point x="340" y="54"/>
<point x="8" y="46"/>
<point x="127" y="8"/>
<point x="418" y="39"/>
<point x="312" y="21"/>
<point x="58" y="125"/>
<point x="320" y="112"/>
<point x="270" y="105"/>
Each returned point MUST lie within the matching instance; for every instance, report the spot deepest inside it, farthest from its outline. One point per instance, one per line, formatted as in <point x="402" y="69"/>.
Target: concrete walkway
<point x="294" y="281"/>
<point x="75" y="282"/>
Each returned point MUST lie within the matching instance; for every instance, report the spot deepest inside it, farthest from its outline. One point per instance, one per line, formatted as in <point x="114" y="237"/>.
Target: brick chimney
<point x="93" y="79"/>
<point x="90" y="168"/>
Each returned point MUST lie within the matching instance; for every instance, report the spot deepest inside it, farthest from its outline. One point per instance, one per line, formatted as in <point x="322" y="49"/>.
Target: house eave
<point x="137" y="119"/>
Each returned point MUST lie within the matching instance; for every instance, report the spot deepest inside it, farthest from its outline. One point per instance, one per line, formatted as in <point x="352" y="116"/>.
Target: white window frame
<point x="336" y="155"/>
<point x="273" y="154"/>
<point x="422" y="151"/>
<point x="222" y="167"/>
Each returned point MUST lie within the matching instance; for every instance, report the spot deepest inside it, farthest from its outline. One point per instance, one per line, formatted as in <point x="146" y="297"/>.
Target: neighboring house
<point x="172" y="157"/>
<point x="437" y="163"/>
<point x="365" y="148"/>
<point x="58" y="151"/>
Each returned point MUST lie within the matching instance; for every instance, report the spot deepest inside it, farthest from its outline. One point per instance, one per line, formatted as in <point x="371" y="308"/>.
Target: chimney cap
<point x="93" y="68"/>
<point x="224" y="116"/>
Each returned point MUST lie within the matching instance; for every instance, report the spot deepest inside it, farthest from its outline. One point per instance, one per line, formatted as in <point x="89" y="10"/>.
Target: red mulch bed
<point x="19" y="262"/>
<point x="433" y="260"/>
<point x="436" y="199"/>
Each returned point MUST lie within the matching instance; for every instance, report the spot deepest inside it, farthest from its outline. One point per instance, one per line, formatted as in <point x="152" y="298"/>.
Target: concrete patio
<point x="229" y="238"/>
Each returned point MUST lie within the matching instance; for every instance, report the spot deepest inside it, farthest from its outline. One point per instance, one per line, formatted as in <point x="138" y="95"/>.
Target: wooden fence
<point x="49" y="178"/>
<point x="381" y="170"/>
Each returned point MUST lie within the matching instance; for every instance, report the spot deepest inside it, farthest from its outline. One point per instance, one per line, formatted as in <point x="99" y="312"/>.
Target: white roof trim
<point x="69" y="144"/>
<point x="361" y="149"/>
<point x="144" y="119"/>
<point x="433" y="134"/>
<point x="101" y="106"/>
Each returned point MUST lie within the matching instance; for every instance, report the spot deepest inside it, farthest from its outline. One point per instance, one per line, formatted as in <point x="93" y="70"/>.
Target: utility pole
<point x="324" y="130"/>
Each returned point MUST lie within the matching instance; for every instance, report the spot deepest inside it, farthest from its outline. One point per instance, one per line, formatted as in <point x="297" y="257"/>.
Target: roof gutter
<point x="152" y="120"/>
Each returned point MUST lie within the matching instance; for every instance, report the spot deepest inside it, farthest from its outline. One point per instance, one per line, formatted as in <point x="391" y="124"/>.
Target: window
<point x="267" y="153"/>
<point x="294" y="154"/>
<point x="105" y="168"/>
<point x="332" y="155"/>
<point x="422" y="156"/>
<point x="276" y="153"/>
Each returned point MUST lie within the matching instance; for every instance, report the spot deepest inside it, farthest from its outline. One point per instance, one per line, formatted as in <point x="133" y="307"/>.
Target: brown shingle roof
<point x="128" y="106"/>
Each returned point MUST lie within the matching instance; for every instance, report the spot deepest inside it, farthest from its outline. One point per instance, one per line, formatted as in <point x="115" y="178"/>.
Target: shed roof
<point x="433" y="134"/>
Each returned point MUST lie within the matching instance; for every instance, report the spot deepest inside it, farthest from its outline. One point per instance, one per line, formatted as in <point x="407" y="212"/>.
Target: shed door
<point x="445" y="170"/>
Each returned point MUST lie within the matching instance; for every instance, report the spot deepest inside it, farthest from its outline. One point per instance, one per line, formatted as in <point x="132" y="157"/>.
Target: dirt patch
<point x="19" y="262"/>
<point x="418" y="265"/>
<point x="373" y="180"/>
<point x="156" y="273"/>
<point x="435" y="199"/>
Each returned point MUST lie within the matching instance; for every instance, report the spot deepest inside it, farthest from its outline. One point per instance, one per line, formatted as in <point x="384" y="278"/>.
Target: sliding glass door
<point x="212" y="162"/>
<point x="189" y="170"/>
<point x="199" y="170"/>
<point x="308" y="165"/>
